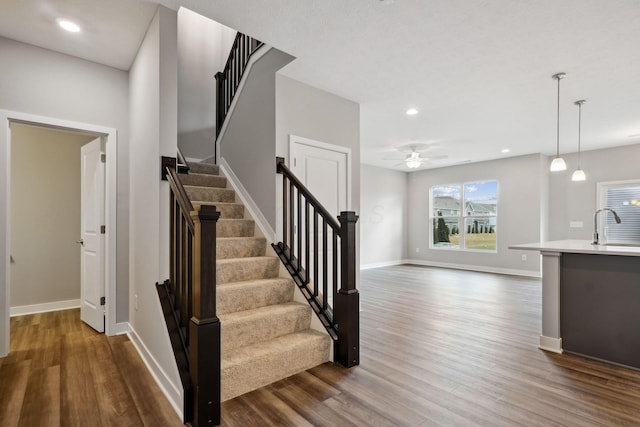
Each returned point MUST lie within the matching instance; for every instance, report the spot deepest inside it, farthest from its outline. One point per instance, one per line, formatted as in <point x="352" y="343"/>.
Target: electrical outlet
<point x="417" y="250"/>
<point x="524" y="257"/>
<point x="576" y="224"/>
<point x="135" y="301"/>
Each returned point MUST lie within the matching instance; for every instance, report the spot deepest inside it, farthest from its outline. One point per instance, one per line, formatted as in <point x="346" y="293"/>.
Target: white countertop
<point x="578" y="247"/>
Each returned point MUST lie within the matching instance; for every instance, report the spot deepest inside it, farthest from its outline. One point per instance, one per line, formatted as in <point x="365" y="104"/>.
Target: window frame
<point x="601" y="202"/>
<point x="462" y="218"/>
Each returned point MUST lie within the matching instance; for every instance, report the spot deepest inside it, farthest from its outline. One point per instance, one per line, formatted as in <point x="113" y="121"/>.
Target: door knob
<point x="80" y="241"/>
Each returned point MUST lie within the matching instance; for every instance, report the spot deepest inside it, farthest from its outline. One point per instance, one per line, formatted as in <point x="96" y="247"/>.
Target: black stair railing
<point x="228" y="80"/>
<point x="188" y="302"/>
<point x="320" y="254"/>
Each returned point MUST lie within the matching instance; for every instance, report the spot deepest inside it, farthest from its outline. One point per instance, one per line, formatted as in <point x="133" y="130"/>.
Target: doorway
<point x="7" y="119"/>
<point x="45" y="218"/>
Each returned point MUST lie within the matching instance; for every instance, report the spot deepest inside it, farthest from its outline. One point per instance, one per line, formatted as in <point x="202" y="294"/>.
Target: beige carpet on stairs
<point x="266" y="336"/>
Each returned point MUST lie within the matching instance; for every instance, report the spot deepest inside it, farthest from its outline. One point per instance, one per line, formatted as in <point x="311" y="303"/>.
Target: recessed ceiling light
<point x="411" y="112"/>
<point x="65" y="24"/>
<point x="505" y="150"/>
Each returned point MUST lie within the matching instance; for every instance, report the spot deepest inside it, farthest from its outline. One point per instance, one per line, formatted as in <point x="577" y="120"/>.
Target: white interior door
<point x="92" y="235"/>
<point x="325" y="170"/>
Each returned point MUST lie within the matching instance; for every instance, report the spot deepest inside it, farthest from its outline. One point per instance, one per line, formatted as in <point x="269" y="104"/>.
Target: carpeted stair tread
<point x="227" y="210"/>
<point x="240" y="247"/>
<point x="254" y="366"/>
<point x="203" y="180"/>
<point x="232" y="296"/>
<point x="248" y="327"/>
<point x="250" y="268"/>
<point x="206" y="168"/>
<point x="210" y="194"/>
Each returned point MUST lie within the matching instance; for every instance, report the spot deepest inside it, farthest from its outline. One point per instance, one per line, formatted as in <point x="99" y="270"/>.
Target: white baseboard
<point x="480" y="268"/>
<point x="550" y="344"/>
<point x="383" y="264"/>
<point x="248" y="202"/>
<point x="173" y="393"/>
<point x="121" y="328"/>
<point x="21" y="310"/>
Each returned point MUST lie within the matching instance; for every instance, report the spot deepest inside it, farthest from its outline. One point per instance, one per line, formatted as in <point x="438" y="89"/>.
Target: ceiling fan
<point x="414" y="158"/>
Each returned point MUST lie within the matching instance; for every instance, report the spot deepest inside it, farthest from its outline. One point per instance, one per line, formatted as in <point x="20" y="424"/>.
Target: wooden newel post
<point x="347" y="303"/>
<point x="204" y="327"/>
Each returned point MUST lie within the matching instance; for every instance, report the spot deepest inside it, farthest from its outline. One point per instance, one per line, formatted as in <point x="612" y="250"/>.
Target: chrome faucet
<point x="595" y="223"/>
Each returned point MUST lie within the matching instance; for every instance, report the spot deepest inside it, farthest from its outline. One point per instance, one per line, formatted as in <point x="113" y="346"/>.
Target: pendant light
<point x="558" y="163"/>
<point x="578" y="174"/>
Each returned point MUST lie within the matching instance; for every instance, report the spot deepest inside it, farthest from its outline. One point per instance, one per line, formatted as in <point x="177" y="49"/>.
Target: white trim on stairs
<point x="248" y="202"/>
<point x="173" y="394"/>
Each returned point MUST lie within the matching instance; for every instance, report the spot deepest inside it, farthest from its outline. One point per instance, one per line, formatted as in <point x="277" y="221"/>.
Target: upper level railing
<point x="320" y="254"/>
<point x="188" y="301"/>
<point x="228" y="80"/>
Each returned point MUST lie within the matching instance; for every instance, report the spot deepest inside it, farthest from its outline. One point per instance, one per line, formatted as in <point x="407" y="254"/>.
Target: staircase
<point x="265" y="335"/>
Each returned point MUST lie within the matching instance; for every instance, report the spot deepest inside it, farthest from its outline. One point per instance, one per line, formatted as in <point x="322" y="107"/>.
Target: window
<point x="464" y="216"/>
<point x="624" y="198"/>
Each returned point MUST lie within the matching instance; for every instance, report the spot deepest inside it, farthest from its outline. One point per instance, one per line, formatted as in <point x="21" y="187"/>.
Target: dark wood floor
<point x="60" y="372"/>
<point x="450" y="348"/>
<point x="438" y="347"/>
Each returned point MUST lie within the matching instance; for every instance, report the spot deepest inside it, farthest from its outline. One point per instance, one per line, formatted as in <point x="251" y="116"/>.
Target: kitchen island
<point x="590" y="299"/>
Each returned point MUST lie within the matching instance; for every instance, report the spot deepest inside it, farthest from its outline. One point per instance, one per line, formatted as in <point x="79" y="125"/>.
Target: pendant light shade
<point x="558" y="163"/>
<point x="579" y="174"/>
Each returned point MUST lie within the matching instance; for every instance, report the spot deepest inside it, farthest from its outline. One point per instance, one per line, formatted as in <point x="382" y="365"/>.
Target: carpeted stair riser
<point x="240" y="247"/>
<point x="227" y="210"/>
<point x="239" y="269"/>
<point x="232" y="297"/>
<point x="204" y="180"/>
<point x="262" y="324"/>
<point x="252" y="367"/>
<point x="205" y="168"/>
<point x="235" y="228"/>
<point x="210" y="194"/>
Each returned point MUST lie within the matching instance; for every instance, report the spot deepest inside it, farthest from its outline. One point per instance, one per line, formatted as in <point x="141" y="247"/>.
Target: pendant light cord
<point x="579" y="127"/>
<point x="558" y="119"/>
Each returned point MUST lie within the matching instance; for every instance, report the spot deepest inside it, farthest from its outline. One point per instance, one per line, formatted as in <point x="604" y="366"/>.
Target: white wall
<point x="153" y="106"/>
<point x="576" y="201"/>
<point x="41" y="82"/>
<point x="203" y="48"/>
<point x="45" y="215"/>
<point x="308" y="112"/>
<point x="383" y="216"/>
<point x="520" y="199"/>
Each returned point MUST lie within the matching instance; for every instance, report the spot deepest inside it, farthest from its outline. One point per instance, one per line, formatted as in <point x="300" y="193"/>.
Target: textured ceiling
<point x="478" y="71"/>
